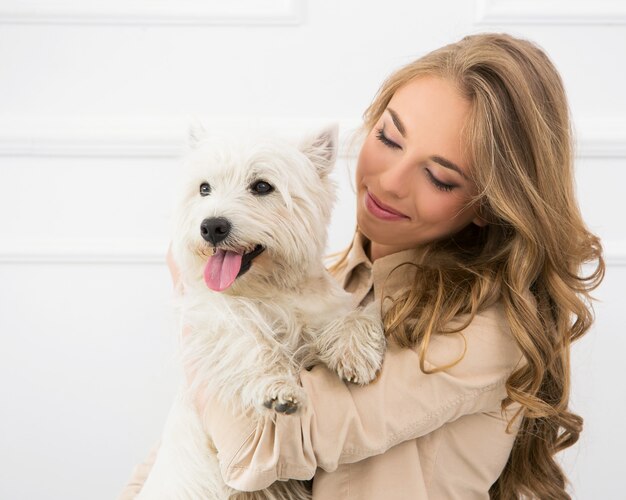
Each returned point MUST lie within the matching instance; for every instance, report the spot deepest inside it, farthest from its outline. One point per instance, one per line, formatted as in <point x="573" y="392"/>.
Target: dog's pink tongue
<point x="222" y="269"/>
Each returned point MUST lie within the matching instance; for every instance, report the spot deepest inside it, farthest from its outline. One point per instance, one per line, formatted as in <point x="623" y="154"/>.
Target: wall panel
<point x="95" y="98"/>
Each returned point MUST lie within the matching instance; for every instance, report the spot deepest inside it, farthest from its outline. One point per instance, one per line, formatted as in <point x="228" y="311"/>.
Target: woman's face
<point x="411" y="178"/>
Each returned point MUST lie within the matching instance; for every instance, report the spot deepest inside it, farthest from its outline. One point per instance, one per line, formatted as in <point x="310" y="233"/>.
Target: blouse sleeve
<point x="345" y="423"/>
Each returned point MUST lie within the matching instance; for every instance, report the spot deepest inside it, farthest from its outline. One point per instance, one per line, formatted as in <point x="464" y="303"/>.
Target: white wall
<point x="94" y="99"/>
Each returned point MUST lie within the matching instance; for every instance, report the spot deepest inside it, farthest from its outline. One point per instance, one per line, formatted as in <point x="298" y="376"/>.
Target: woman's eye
<point x="205" y="189"/>
<point x="442" y="186"/>
<point x="385" y="140"/>
<point x="261" y="187"/>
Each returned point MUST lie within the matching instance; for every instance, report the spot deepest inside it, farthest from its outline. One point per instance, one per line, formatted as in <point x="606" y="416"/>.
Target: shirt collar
<point x="387" y="275"/>
<point x="357" y="255"/>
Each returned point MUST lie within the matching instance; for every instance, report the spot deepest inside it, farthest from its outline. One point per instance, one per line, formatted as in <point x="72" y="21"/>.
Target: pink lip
<point x="381" y="210"/>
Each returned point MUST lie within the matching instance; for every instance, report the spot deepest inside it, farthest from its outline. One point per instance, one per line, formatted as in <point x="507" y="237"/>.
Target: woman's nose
<point x="394" y="179"/>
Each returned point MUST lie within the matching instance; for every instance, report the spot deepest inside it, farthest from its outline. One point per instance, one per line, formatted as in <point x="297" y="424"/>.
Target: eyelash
<point x="380" y="135"/>
<point x="442" y="186"/>
<point x="385" y="140"/>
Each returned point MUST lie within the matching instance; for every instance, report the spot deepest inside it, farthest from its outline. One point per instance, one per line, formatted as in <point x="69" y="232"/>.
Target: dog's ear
<point x="321" y="149"/>
<point x="197" y="132"/>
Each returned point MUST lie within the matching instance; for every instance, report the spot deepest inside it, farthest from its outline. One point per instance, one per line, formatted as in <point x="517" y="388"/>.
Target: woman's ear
<point x="479" y="221"/>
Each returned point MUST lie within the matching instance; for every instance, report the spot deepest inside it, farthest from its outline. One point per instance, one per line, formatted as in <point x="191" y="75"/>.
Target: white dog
<point x="249" y="238"/>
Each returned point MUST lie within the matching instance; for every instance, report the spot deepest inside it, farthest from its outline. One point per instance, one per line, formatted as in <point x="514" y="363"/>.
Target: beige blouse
<point x="407" y="435"/>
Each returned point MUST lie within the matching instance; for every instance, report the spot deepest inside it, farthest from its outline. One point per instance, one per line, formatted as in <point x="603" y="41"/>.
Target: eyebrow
<point x="448" y="164"/>
<point x="436" y="158"/>
<point x="397" y="122"/>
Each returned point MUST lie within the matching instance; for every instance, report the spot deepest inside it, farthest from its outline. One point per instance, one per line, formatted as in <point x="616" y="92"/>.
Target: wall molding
<point x="84" y="251"/>
<point x="601" y="148"/>
<point x="615" y="252"/>
<point x="154" y="12"/>
<point x="152" y="252"/>
<point x="138" y="136"/>
<point x="164" y="137"/>
<point x="566" y="12"/>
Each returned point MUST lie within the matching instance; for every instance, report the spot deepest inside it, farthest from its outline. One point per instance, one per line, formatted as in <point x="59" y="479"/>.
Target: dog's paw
<point x="287" y="407"/>
<point x="284" y="397"/>
<point x="359" y="367"/>
<point x="358" y="349"/>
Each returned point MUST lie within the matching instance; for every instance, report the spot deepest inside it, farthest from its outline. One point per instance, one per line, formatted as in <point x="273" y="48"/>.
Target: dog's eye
<point x="205" y="189"/>
<point x="261" y="187"/>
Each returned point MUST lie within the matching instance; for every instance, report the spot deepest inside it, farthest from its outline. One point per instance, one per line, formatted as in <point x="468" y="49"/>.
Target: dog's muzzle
<point x="226" y="264"/>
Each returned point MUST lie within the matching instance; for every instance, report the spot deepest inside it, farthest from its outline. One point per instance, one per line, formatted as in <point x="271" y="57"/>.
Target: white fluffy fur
<point x="248" y="343"/>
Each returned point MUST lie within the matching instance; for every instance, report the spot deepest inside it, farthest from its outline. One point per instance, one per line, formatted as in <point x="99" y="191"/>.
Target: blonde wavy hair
<point x="529" y="256"/>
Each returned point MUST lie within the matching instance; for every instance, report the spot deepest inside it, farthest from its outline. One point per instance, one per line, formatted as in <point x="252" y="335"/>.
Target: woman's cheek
<point x="434" y="207"/>
<point x="371" y="159"/>
<point x="426" y="203"/>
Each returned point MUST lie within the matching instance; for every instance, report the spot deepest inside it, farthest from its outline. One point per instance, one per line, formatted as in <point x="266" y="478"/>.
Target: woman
<point x="470" y="235"/>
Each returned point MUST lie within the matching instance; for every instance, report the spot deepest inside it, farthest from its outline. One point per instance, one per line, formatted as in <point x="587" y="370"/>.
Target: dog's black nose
<point x="215" y="229"/>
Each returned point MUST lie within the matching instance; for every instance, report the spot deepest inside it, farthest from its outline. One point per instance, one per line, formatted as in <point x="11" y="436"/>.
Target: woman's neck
<point x="376" y="250"/>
